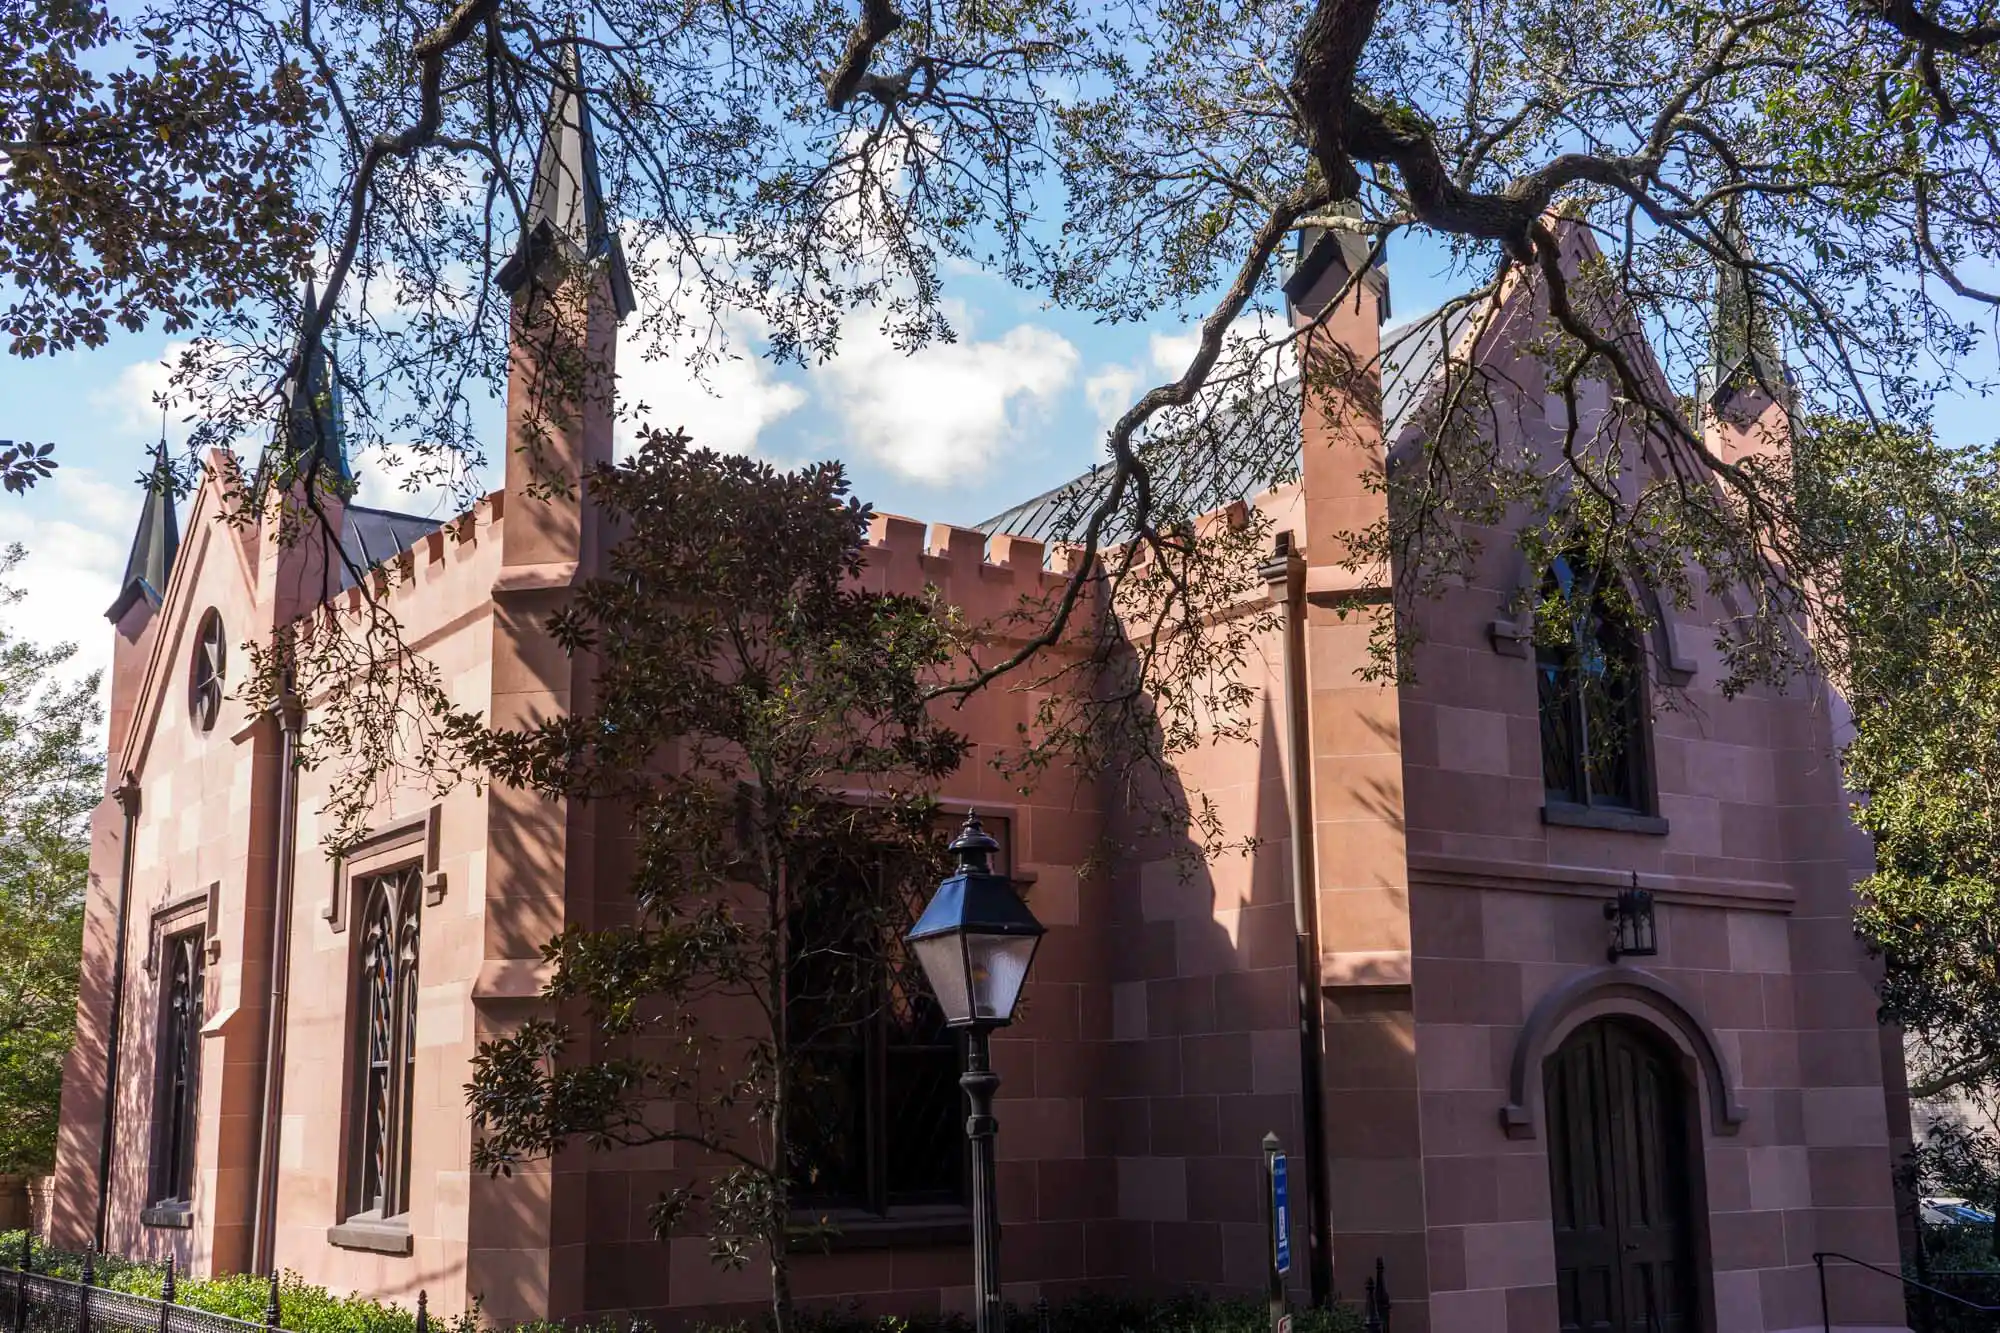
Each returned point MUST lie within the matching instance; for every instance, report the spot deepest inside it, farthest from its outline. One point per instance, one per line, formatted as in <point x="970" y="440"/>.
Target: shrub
<point x="304" y="1307"/>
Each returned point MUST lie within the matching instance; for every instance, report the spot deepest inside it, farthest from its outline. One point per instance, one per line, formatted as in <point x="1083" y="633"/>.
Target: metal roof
<point x="1236" y="454"/>
<point x="370" y="536"/>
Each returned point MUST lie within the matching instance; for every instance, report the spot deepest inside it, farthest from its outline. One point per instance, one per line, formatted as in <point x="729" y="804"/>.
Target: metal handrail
<point x="1826" y="1313"/>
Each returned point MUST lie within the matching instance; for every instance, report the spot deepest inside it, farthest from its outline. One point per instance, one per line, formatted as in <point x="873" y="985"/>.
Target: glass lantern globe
<point x="976" y="938"/>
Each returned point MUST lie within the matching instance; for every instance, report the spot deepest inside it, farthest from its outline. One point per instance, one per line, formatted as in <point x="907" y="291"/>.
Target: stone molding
<point x="1512" y="633"/>
<point x="1659" y="1000"/>
<point x="415" y="838"/>
<point x="1469" y="872"/>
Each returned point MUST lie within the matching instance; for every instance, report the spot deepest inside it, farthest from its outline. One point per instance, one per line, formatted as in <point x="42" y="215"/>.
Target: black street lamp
<point x="975" y="941"/>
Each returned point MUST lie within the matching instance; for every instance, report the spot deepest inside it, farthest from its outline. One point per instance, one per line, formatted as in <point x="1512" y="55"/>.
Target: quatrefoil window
<point x="208" y="674"/>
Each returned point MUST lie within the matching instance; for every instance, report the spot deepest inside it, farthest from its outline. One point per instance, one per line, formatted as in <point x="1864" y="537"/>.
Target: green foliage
<point x="1910" y="538"/>
<point x="142" y="176"/>
<point x="762" y="720"/>
<point x="50" y="777"/>
<point x="303" y="1307"/>
<point x="1907" y="535"/>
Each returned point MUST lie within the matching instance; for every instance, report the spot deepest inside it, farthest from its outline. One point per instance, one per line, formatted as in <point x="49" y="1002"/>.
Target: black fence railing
<point x="1375" y="1302"/>
<point x="32" y="1302"/>
<point x="1940" y="1302"/>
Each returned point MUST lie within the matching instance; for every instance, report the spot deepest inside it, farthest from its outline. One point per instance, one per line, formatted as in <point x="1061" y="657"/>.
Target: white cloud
<point x="1112" y="390"/>
<point x="944" y="413"/>
<point x="77" y="528"/>
<point x="383" y="476"/>
<point x="1111" y="393"/>
<point x="726" y="405"/>
<point x="133" y="400"/>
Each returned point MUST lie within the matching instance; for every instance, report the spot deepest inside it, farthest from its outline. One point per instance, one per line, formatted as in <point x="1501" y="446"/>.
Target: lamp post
<point x="975" y="942"/>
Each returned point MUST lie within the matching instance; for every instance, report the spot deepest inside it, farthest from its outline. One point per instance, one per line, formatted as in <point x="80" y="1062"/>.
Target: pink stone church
<point x="1409" y="981"/>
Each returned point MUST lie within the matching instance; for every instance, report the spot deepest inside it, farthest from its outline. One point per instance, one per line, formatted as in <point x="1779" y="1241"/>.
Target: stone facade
<point x="1453" y="923"/>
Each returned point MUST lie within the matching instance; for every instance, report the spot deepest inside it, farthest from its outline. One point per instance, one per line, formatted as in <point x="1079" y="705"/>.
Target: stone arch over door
<point x="1611" y="990"/>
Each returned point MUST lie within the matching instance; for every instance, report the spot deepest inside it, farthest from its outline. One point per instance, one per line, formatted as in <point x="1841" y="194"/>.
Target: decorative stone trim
<point x="367" y="1233"/>
<point x="1512" y="634"/>
<point x="1471" y="872"/>
<point x="900" y="1228"/>
<point x="1565" y="815"/>
<point x="1365" y="968"/>
<point x="1660" y="1001"/>
<point x="397" y="843"/>
<point x="172" y="918"/>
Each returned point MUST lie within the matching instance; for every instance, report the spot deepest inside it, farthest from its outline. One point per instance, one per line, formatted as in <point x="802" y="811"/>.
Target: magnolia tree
<point x="762" y="724"/>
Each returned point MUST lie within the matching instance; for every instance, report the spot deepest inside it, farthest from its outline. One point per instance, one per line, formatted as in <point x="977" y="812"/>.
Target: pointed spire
<point x="1744" y="350"/>
<point x="314" y="421"/>
<point x="154" y="545"/>
<point x="566" y="200"/>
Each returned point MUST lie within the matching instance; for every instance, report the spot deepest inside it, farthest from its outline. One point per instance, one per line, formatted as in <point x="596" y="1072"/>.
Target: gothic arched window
<point x="1590" y="673"/>
<point x="178" y="1081"/>
<point x="388" y="1042"/>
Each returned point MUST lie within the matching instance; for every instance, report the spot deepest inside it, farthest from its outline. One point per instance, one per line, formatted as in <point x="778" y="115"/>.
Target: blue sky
<point x="952" y="434"/>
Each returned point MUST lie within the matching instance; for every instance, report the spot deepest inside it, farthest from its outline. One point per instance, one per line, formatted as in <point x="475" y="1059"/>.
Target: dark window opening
<point x="179" y="1070"/>
<point x="387" y="1057"/>
<point x="1591" y="679"/>
<point x="877" y="1120"/>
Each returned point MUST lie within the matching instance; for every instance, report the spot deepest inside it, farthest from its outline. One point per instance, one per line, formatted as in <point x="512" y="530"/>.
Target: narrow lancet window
<point x="388" y="1040"/>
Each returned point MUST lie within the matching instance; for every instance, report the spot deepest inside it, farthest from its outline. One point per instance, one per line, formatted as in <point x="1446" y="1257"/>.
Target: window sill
<point x="367" y="1233"/>
<point x="179" y="1216"/>
<point x="900" y="1228"/>
<point x="1566" y="815"/>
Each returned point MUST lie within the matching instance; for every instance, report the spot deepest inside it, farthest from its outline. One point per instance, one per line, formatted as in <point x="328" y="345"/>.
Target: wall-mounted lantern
<point x="1633" y="934"/>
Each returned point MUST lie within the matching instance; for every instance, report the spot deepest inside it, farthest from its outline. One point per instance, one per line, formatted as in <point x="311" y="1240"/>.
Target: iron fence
<point x="32" y="1302"/>
<point x="1933" y="1306"/>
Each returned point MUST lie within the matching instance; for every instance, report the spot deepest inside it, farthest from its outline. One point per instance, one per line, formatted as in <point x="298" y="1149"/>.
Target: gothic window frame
<point x="183" y="986"/>
<point x="208" y="672"/>
<point x="894" y="1071"/>
<point x="387" y="957"/>
<point x="1615" y="789"/>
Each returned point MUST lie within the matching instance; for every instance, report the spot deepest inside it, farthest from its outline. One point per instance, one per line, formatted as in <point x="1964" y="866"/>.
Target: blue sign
<point x="1281" y="1211"/>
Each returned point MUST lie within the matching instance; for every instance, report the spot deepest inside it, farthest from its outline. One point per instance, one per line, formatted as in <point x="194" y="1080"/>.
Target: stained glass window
<point x="385" y="1077"/>
<point x="179" y="1057"/>
<point x="1591" y="682"/>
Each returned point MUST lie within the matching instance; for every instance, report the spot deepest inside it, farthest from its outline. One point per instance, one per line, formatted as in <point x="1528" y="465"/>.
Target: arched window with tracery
<point x="178" y="1081"/>
<point x="388" y="1042"/>
<point x="1590" y="672"/>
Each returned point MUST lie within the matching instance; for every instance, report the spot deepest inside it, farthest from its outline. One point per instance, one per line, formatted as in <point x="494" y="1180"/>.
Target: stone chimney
<point x="1341" y="387"/>
<point x="1361" y="891"/>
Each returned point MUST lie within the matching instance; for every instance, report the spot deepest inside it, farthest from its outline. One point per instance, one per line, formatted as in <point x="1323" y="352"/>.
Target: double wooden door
<point x="1619" y="1177"/>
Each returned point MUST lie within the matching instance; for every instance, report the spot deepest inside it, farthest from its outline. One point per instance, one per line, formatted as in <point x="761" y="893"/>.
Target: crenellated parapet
<point x="989" y="579"/>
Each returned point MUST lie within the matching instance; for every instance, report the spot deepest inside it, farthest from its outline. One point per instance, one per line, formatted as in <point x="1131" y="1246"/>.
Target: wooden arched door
<point x="1621" y="1180"/>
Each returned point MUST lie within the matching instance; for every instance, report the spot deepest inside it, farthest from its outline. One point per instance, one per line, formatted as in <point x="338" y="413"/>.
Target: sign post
<point x="1278" y="1220"/>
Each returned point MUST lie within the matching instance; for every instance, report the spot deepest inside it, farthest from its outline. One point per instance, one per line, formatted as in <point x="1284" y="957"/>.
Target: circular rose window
<point x="208" y="672"/>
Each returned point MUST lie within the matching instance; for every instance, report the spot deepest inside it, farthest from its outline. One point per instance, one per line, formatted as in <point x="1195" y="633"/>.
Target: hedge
<point x="304" y="1307"/>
